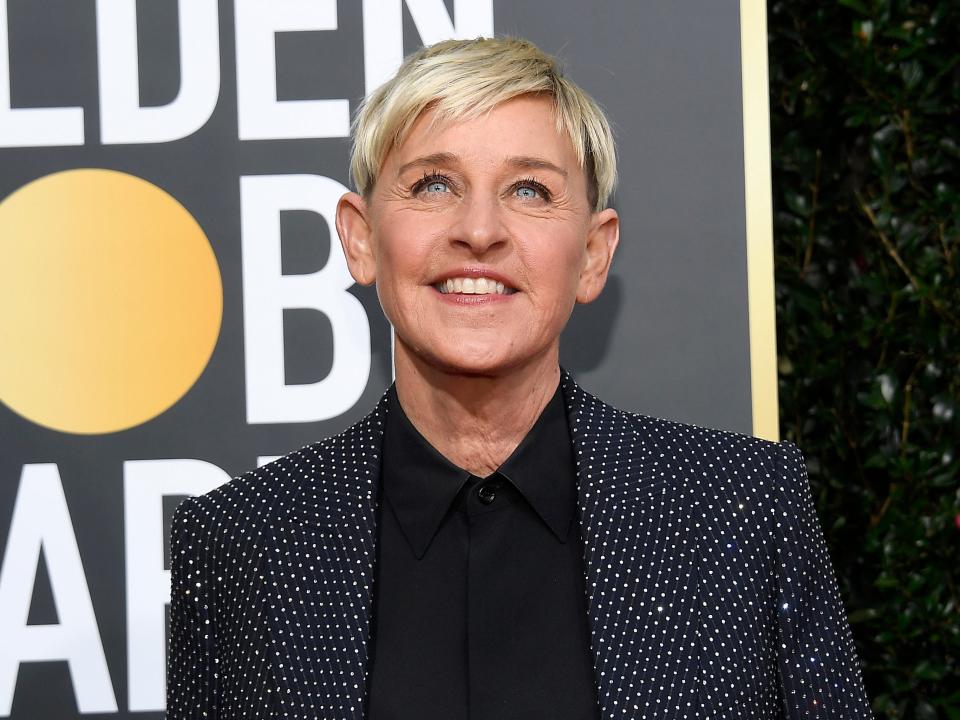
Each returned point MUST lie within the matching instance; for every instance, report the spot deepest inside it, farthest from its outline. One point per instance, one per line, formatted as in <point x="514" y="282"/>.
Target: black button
<point x="487" y="493"/>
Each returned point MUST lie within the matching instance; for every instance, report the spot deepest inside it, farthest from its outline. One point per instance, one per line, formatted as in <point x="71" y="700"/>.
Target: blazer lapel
<point x="638" y="527"/>
<point x="319" y="575"/>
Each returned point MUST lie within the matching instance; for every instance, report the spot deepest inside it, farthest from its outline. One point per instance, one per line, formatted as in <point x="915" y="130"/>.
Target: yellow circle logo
<point x="110" y="301"/>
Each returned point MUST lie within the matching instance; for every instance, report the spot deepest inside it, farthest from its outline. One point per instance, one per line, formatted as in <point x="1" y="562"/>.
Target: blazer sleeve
<point x="191" y="659"/>
<point x="819" y="671"/>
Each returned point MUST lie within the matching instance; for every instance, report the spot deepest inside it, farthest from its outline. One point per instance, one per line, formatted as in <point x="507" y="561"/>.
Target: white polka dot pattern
<point x="710" y="592"/>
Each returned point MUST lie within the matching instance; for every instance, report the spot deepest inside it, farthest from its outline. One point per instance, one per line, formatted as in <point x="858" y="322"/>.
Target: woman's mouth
<point x="473" y="286"/>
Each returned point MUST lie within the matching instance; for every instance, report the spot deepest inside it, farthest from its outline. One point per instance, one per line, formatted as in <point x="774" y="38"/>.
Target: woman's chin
<point x="471" y="363"/>
<point x="473" y="359"/>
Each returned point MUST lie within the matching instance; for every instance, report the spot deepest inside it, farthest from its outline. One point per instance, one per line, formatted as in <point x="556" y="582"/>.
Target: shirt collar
<point x="421" y="484"/>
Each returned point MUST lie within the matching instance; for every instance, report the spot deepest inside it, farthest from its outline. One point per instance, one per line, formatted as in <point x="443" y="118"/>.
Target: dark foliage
<point x="866" y="128"/>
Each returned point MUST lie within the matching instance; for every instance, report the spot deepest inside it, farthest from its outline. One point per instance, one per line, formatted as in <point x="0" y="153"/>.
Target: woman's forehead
<point x="522" y="131"/>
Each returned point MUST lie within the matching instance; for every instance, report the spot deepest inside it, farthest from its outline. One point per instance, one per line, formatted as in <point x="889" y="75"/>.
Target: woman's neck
<point x="474" y="421"/>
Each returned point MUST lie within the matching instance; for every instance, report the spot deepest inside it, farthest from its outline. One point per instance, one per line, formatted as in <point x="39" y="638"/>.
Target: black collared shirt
<point x="479" y="608"/>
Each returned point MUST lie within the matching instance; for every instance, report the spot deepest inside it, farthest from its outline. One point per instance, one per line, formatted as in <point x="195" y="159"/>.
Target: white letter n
<point x="383" y="30"/>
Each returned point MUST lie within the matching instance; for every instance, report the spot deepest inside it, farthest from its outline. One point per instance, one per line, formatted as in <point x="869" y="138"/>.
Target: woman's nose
<point x="480" y="225"/>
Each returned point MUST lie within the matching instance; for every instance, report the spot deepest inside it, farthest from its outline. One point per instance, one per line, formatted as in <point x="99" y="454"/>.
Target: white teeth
<point x="474" y="286"/>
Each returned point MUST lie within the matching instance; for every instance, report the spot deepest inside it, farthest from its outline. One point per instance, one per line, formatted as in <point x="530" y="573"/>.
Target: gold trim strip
<point x="759" y="219"/>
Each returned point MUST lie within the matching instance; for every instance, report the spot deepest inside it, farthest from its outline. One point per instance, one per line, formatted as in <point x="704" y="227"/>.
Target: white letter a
<point x="41" y="523"/>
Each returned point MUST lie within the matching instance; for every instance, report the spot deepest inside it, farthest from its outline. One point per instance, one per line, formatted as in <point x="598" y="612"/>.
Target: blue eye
<point x="531" y="190"/>
<point x="436" y="186"/>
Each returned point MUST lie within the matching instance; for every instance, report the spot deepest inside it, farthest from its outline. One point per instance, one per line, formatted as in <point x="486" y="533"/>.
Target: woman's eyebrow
<point x="524" y="162"/>
<point x="433" y="160"/>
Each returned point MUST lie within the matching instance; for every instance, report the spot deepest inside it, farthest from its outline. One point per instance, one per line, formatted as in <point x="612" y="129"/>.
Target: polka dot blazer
<point x="709" y="590"/>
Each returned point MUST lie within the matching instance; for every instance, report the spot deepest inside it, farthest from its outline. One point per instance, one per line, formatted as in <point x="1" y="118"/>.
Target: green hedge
<point x="865" y="131"/>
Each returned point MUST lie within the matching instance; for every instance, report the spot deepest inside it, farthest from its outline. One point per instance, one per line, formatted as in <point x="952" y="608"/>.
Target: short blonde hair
<point x="462" y="79"/>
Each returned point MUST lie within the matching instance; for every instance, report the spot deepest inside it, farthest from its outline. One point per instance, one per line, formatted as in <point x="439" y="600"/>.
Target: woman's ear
<point x="353" y="227"/>
<point x="602" y="239"/>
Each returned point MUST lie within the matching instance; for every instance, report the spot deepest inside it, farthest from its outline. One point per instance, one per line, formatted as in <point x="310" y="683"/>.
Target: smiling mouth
<point x="473" y="286"/>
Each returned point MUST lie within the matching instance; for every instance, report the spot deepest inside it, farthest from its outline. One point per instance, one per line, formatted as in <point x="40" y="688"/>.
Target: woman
<point x="491" y="541"/>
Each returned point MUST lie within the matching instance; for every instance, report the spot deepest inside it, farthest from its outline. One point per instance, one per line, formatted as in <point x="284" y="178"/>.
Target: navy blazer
<point x="709" y="590"/>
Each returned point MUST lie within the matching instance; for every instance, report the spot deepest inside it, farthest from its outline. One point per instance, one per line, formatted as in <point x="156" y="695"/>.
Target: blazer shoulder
<point x="717" y="462"/>
<point x="267" y="493"/>
<point x="255" y="495"/>
<point x="724" y="461"/>
<point x="700" y="440"/>
<point x="596" y="416"/>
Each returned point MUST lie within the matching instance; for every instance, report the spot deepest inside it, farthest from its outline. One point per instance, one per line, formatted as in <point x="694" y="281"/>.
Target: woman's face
<point x="480" y="238"/>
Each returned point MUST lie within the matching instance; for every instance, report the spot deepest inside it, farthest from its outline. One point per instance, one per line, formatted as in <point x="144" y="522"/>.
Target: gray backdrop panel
<point x="669" y="337"/>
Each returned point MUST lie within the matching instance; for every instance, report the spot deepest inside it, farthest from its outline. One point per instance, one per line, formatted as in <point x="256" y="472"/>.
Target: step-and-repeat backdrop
<point x="174" y="304"/>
